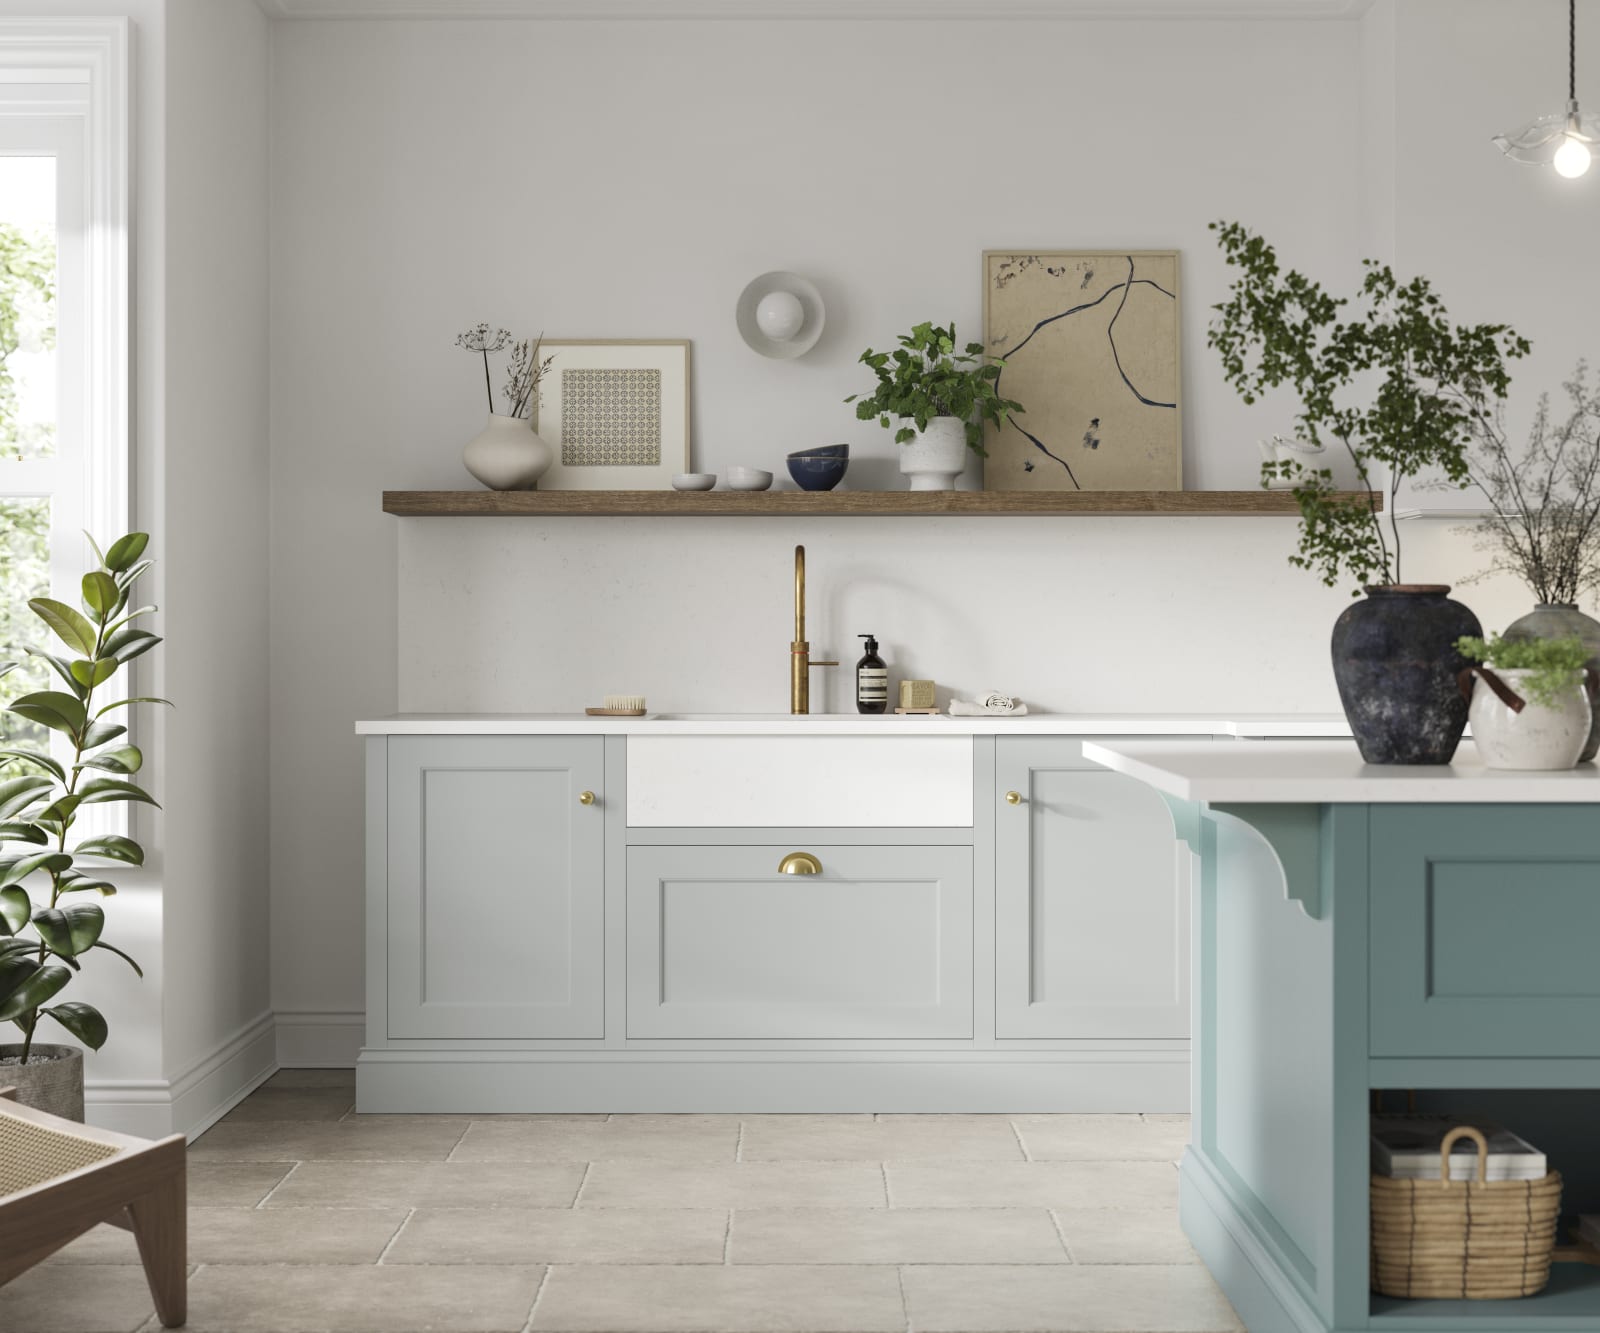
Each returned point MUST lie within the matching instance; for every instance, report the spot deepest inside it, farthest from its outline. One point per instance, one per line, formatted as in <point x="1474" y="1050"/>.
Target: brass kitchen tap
<point x="800" y="662"/>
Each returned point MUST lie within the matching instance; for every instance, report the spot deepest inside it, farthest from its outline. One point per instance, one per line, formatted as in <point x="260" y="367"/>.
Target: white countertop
<point x="1314" y="772"/>
<point x="1255" y="726"/>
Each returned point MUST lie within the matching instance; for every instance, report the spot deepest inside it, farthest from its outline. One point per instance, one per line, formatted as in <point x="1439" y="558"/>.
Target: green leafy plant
<point x="1556" y="664"/>
<point x="46" y="927"/>
<point x="926" y="378"/>
<point x="1386" y="375"/>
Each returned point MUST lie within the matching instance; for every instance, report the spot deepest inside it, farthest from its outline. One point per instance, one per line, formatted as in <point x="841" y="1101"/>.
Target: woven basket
<point x="1482" y="1240"/>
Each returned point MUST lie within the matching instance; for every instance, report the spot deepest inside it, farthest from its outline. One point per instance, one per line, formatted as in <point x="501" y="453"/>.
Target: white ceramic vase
<point x="937" y="456"/>
<point x="1306" y="456"/>
<point x="1541" y="736"/>
<point x="507" y="454"/>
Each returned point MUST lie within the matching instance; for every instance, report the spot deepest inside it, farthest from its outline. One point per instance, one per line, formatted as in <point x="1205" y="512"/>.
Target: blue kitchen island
<point x="1430" y="936"/>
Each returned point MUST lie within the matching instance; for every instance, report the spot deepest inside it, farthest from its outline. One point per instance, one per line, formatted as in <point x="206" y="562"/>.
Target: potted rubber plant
<point x="1531" y="700"/>
<point x="50" y="923"/>
<point x="936" y="399"/>
<point x="1389" y="381"/>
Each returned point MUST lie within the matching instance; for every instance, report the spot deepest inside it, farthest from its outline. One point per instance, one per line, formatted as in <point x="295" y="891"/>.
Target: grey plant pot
<point x="52" y="1080"/>
<point x="1562" y="621"/>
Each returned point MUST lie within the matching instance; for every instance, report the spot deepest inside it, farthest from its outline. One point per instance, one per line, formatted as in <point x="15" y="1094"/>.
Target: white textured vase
<point x="937" y="456"/>
<point x="1541" y="736"/>
<point x="507" y="455"/>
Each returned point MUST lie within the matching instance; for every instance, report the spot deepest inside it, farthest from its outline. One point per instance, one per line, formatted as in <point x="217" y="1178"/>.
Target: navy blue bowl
<point x="817" y="472"/>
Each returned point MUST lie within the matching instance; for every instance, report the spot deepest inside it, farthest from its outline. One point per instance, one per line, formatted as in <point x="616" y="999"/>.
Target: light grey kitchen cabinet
<point x="495" y="920"/>
<point x="876" y="944"/>
<point x="1091" y="900"/>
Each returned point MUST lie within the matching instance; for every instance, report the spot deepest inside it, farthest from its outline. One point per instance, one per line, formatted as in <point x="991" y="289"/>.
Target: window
<point x="64" y="430"/>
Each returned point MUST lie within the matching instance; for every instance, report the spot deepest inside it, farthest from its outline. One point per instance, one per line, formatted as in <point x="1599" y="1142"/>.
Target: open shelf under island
<point x="847" y="504"/>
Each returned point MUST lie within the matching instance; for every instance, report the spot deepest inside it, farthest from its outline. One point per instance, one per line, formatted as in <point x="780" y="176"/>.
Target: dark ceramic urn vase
<point x="1395" y="659"/>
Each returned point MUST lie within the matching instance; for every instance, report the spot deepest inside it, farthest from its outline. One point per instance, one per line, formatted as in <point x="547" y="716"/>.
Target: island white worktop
<point x="1317" y="772"/>
<point x="1244" y="726"/>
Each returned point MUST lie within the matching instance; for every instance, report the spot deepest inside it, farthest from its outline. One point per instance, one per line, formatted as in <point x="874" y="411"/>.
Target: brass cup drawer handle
<point x="1013" y="798"/>
<point x="799" y="863"/>
<point x="585" y="798"/>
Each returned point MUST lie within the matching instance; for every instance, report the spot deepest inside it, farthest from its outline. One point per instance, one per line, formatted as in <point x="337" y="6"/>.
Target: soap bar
<point x="916" y="694"/>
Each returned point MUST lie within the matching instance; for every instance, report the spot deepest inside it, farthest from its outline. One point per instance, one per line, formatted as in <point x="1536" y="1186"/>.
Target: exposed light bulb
<point x="1572" y="158"/>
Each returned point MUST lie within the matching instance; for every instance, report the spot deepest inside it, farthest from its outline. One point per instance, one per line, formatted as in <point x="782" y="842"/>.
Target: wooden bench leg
<point x="161" y="1226"/>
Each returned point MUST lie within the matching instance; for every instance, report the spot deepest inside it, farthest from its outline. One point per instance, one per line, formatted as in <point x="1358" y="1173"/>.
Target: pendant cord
<point x="1572" y="50"/>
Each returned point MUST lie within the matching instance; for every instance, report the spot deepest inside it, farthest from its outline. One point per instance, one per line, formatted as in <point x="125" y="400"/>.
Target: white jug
<point x="1282" y="449"/>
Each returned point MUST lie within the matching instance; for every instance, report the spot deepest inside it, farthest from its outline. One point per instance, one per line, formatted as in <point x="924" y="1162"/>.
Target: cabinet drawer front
<point x="879" y="945"/>
<point x="1485" y="931"/>
<point x="495" y="887"/>
<point x="800" y="781"/>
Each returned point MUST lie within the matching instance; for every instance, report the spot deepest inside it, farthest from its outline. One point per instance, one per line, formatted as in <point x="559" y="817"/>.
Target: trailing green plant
<point x="46" y="927"/>
<point x="1556" y="664"/>
<point x="1386" y="375"/>
<point x="926" y="378"/>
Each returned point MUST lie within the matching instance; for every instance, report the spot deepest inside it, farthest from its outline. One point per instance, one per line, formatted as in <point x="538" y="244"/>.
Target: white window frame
<point x="74" y="72"/>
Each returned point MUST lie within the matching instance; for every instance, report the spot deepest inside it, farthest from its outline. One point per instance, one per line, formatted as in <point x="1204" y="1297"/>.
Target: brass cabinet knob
<point x="585" y="798"/>
<point x="1013" y="798"/>
<point x="799" y="863"/>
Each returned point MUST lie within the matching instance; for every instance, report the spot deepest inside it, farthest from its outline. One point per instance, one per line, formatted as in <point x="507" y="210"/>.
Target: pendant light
<point x="1565" y="140"/>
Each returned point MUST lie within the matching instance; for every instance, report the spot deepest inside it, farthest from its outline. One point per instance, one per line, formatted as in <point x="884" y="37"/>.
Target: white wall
<point x="626" y="179"/>
<point x="214" y="535"/>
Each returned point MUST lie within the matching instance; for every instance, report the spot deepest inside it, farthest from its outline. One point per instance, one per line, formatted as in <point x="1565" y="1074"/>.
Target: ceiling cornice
<point x="991" y="10"/>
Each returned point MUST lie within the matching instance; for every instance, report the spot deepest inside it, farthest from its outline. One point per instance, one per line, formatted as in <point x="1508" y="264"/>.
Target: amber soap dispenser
<point x="872" y="680"/>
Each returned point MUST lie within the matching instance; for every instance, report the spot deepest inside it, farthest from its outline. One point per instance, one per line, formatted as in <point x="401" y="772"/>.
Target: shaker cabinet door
<point x="1091" y="900"/>
<point x="496" y="890"/>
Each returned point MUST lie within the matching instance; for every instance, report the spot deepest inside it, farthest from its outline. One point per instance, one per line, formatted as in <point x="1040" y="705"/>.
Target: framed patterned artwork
<point x="615" y="412"/>
<point x="1090" y="342"/>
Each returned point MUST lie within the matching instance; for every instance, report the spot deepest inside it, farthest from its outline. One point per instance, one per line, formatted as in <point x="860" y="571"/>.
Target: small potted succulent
<point x="1531" y="700"/>
<point x="50" y="924"/>
<point x="936" y="400"/>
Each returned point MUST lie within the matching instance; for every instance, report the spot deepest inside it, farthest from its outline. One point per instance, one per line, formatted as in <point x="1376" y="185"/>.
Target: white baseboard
<point x="311" y="1039"/>
<point x="192" y="1100"/>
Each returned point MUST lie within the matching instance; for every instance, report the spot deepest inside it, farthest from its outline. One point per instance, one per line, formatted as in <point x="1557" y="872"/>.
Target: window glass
<point x="28" y="398"/>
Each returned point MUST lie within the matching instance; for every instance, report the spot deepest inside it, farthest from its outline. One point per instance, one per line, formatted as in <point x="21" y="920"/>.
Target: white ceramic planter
<point x="507" y="455"/>
<point x="937" y="456"/>
<point x="1540" y="736"/>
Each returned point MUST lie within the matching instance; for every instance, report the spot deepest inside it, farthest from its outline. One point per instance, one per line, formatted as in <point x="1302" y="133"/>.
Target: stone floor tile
<point x="271" y="1141"/>
<point x="561" y="1236"/>
<point x="1124" y="1236"/>
<point x="681" y="1138"/>
<point x="1032" y="1185"/>
<point x="312" y="1078"/>
<point x="1104" y="1138"/>
<point x="229" y="1299"/>
<point x="293" y="1104"/>
<point x="841" y="1138"/>
<point x="429" y="1185"/>
<point x="1066" y="1299"/>
<point x="233" y="1184"/>
<point x="716" y="1299"/>
<point x="257" y="1236"/>
<point x="894" y="1236"/>
<point x="748" y="1185"/>
<point x="107" y="1299"/>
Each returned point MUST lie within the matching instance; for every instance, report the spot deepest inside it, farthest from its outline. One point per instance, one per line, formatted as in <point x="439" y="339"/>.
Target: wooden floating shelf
<point x="846" y="504"/>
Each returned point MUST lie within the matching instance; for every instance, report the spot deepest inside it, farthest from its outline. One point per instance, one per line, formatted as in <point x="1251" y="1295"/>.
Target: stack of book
<point x="1406" y="1147"/>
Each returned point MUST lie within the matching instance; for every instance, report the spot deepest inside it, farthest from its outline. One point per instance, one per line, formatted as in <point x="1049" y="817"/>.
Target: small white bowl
<point x="748" y="479"/>
<point x="694" y="481"/>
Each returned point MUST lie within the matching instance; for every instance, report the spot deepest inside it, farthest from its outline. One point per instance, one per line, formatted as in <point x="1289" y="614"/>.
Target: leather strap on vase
<point x="1503" y="692"/>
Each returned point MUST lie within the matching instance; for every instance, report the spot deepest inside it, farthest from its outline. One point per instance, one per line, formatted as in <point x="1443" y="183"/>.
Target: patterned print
<point x="611" y="418"/>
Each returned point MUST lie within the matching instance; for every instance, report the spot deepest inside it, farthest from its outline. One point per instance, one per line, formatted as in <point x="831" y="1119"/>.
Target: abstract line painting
<point x="1090" y="340"/>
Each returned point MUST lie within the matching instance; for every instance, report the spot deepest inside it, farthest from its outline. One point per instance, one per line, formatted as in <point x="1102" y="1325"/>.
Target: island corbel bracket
<point x="1293" y="833"/>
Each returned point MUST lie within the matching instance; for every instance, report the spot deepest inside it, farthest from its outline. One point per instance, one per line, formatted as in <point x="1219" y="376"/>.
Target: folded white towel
<point x="992" y="704"/>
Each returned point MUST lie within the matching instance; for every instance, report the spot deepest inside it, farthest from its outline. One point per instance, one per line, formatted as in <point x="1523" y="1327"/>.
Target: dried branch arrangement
<point x="1544" y="527"/>
<point x="526" y="369"/>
